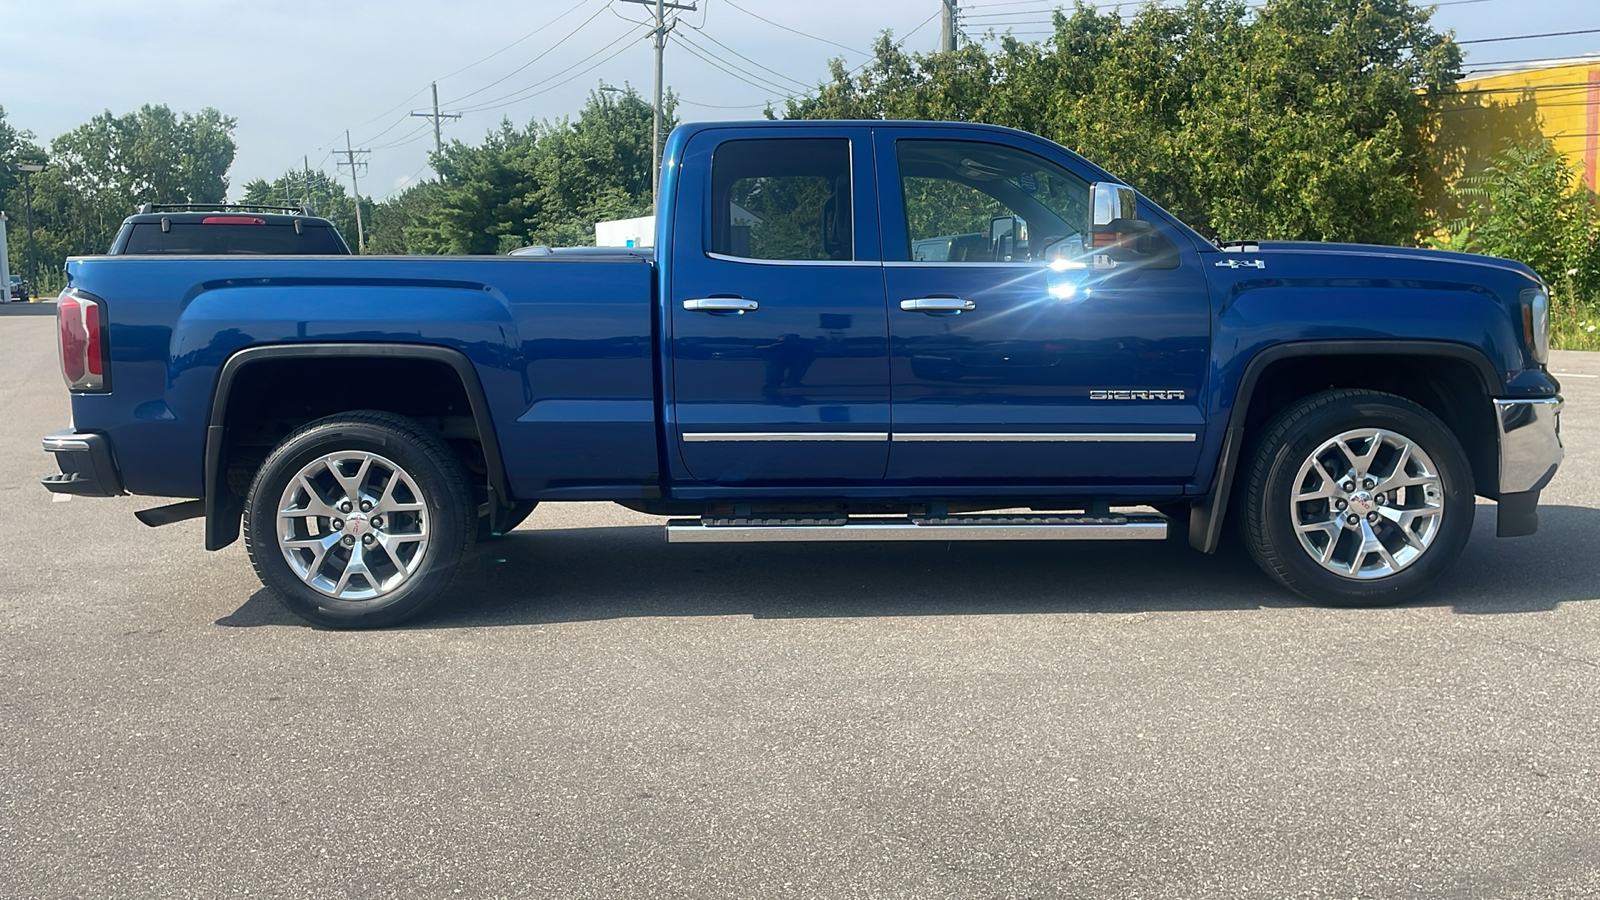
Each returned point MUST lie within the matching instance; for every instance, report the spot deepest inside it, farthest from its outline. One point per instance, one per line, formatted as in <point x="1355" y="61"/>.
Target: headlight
<point x="1536" y="323"/>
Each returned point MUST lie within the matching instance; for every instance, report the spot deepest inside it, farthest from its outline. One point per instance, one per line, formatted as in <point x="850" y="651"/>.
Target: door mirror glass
<point x="1112" y="202"/>
<point x="1116" y="222"/>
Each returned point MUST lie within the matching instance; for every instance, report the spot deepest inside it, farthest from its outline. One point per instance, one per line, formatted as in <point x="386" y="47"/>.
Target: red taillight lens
<point x="69" y="315"/>
<point x="78" y="319"/>
<point x="91" y="331"/>
<point x="232" y="220"/>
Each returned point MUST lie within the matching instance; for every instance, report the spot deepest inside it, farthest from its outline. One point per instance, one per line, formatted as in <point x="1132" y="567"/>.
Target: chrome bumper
<point x="1530" y="443"/>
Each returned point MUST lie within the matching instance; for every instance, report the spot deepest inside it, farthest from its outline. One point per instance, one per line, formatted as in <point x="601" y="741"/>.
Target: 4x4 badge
<point x="1241" y="264"/>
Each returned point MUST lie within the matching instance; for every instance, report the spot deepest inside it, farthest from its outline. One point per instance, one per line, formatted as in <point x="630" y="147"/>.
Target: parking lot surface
<point x="597" y="714"/>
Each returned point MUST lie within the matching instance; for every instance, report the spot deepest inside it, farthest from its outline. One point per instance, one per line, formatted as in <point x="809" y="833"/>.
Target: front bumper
<point x="87" y="466"/>
<point x="1530" y="452"/>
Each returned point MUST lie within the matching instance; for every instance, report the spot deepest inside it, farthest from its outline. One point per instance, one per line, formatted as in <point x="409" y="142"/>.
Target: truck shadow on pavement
<point x="535" y="577"/>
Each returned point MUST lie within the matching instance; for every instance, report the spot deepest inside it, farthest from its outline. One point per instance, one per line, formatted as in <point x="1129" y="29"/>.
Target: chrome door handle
<point x="721" y="304"/>
<point x="937" y="304"/>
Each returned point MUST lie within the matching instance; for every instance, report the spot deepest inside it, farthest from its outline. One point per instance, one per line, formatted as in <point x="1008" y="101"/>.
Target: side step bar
<point x="903" y="528"/>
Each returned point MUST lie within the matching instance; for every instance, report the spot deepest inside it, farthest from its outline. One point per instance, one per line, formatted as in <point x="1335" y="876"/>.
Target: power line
<point x="744" y="75"/>
<point x="527" y="92"/>
<point x="762" y="105"/>
<point x="853" y="71"/>
<point x="392" y="126"/>
<point x="747" y="59"/>
<point x="1542" y="59"/>
<point x="411" y="137"/>
<point x="411" y="181"/>
<point x="794" y="30"/>
<point x="574" y="8"/>
<point x="387" y="111"/>
<point x="1529" y="37"/>
<point x="530" y="62"/>
<point x="1565" y="86"/>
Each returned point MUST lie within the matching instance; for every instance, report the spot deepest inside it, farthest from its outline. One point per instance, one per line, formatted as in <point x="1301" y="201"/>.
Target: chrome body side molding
<point x="705" y="436"/>
<point x="1160" y="437"/>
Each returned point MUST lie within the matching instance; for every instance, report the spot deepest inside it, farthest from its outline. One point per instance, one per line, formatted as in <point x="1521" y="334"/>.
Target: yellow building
<point x="1559" y="99"/>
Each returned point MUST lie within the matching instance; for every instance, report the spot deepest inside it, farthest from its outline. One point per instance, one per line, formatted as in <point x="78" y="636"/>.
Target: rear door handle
<point x="937" y="305"/>
<point x="721" y="305"/>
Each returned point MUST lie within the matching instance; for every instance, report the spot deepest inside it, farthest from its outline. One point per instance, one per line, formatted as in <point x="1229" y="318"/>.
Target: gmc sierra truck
<point x="845" y="331"/>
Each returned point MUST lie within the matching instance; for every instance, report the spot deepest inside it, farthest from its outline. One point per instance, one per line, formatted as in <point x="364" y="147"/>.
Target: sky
<point x="297" y="75"/>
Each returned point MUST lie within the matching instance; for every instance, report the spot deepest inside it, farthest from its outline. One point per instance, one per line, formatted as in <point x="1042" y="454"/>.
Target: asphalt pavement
<point x="598" y="714"/>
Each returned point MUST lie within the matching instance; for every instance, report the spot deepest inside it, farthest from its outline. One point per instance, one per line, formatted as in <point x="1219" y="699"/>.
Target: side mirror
<point x="1003" y="237"/>
<point x="1115" y="218"/>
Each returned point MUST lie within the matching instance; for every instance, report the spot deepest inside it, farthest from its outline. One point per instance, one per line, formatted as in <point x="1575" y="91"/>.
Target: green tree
<point x="397" y="224"/>
<point x="1302" y="119"/>
<point x="1529" y="205"/>
<point x="546" y="183"/>
<point x="100" y="172"/>
<point x="17" y="146"/>
<point x="320" y="193"/>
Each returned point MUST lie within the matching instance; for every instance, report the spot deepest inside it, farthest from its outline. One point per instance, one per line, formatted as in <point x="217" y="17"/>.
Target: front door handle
<point x="937" y="305"/>
<point x="721" y="305"/>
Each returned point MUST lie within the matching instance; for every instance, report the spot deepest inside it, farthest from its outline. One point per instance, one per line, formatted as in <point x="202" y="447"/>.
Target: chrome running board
<point x="904" y="528"/>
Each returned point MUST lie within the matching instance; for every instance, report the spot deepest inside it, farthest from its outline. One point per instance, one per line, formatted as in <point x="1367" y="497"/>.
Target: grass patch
<point x="1575" y="326"/>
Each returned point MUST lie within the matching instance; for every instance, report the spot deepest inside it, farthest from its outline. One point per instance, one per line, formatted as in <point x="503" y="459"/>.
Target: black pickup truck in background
<point x="190" y="229"/>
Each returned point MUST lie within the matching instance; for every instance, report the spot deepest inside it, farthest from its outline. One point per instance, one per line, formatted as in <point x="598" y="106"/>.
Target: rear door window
<point x="782" y="199"/>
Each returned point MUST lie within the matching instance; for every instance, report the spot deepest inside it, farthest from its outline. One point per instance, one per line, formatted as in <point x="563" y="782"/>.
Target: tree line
<point x="1297" y="120"/>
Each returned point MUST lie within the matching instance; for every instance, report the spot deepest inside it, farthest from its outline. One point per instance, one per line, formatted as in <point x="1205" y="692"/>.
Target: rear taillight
<point x="232" y="220"/>
<point x="82" y="342"/>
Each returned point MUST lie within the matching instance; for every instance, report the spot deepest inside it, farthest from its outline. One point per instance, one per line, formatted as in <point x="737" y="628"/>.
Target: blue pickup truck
<point x="845" y="331"/>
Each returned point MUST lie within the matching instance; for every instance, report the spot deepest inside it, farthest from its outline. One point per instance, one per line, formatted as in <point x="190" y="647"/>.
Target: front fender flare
<point x="1207" y="513"/>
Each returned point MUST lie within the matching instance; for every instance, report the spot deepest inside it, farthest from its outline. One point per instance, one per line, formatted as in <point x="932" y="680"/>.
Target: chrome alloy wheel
<point x="1367" y="503"/>
<point x="353" y="525"/>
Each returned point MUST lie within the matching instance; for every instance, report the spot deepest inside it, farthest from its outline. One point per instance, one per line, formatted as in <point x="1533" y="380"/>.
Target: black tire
<point x="1289" y="440"/>
<point x="444" y="500"/>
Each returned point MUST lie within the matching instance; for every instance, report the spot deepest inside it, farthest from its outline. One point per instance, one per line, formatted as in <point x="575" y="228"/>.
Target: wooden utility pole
<point x="436" y="116"/>
<point x="659" y="34"/>
<point x="355" y="159"/>
<point x="947" y="26"/>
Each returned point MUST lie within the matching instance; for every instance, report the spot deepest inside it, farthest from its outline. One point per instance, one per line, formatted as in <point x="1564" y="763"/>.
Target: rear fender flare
<point x="223" y="509"/>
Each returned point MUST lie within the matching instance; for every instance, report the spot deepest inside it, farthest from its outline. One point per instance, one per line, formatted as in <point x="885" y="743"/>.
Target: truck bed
<point x="562" y="346"/>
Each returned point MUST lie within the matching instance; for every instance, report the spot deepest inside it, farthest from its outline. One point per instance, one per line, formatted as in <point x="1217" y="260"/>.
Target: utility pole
<point x="947" y="26"/>
<point x="309" y="202"/>
<point x="27" y="171"/>
<point x="659" y="34"/>
<point x="351" y="159"/>
<point x="436" y="116"/>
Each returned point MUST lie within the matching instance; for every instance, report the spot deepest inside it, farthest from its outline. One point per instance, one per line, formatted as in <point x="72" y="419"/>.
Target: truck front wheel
<point x="1357" y="498"/>
<point x="359" y="520"/>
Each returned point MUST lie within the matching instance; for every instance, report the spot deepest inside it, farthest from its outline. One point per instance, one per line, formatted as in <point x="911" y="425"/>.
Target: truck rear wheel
<point x="1357" y="498"/>
<point x="359" y="520"/>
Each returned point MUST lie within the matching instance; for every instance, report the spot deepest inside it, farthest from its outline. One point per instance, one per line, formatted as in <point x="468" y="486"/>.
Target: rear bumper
<point x="87" y="466"/>
<point x="1530" y="452"/>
